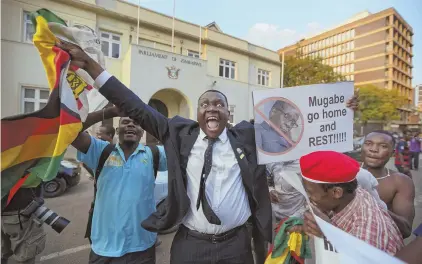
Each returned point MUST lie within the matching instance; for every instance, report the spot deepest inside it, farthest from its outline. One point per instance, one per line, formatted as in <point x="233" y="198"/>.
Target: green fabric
<point x="45" y="170"/>
<point x="282" y="238"/>
<point x="47" y="15"/>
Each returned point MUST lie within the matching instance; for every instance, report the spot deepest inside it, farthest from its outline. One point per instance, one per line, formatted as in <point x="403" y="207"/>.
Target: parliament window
<point x="34" y="99"/>
<point x="193" y="54"/>
<point x="263" y="77"/>
<point x="110" y="44"/>
<point x="227" y="69"/>
<point x="28" y="27"/>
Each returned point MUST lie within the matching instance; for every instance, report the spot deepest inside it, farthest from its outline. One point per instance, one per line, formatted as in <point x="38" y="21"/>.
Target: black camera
<point x="45" y="215"/>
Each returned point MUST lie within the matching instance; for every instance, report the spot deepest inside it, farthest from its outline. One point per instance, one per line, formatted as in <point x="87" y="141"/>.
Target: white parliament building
<point x="169" y="79"/>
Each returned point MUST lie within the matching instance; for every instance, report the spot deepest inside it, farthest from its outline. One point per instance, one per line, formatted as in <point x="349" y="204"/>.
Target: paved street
<point x="71" y="248"/>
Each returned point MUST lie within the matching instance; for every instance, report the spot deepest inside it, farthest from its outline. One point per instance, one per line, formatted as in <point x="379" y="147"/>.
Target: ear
<point x="337" y="192"/>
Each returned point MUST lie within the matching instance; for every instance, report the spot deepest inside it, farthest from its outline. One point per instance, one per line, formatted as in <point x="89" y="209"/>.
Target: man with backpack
<point x="124" y="191"/>
<point x="106" y="133"/>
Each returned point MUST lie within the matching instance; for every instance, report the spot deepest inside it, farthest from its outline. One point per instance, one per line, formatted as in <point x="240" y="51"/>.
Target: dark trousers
<point x="187" y="249"/>
<point x="140" y="257"/>
<point x="414" y="160"/>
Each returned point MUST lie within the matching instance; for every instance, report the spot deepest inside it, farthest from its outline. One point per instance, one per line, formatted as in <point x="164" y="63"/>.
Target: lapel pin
<point x="239" y="151"/>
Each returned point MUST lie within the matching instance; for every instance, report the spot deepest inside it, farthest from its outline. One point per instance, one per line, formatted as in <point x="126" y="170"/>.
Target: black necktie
<point x="208" y="212"/>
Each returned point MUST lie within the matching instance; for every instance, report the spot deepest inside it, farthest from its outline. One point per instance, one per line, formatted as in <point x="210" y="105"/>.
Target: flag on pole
<point x="172" y="26"/>
<point x="34" y="144"/>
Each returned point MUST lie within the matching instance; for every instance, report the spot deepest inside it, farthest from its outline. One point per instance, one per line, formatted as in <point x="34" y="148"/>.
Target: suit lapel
<point x="188" y="140"/>
<point x="242" y="160"/>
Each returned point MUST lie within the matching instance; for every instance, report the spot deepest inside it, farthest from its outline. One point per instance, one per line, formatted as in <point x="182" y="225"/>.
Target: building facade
<point x="367" y="49"/>
<point x="170" y="79"/>
<point x="418" y="95"/>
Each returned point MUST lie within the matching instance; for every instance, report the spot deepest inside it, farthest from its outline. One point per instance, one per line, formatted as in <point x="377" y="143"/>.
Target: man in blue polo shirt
<point x="125" y="193"/>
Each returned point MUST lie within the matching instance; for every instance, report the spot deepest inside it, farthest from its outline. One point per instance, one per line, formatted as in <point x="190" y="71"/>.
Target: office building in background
<point x="367" y="49"/>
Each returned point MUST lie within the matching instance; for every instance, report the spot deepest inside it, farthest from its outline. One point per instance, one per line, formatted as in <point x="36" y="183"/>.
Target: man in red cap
<point x="329" y="179"/>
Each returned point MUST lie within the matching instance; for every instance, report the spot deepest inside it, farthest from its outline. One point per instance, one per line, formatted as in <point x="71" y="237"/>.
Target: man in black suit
<point x="215" y="183"/>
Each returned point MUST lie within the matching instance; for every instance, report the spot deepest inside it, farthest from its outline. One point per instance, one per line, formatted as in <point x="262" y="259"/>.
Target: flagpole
<point x="200" y="40"/>
<point x="172" y="28"/>
<point x="282" y="69"/>
<point x="137" y="29"/>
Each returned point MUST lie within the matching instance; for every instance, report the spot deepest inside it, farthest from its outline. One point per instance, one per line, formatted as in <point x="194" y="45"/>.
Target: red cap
<point x="328" y="167"/>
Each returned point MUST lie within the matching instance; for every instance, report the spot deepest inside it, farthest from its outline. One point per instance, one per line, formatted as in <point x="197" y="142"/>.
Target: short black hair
<point x="215" y="91"/>
<point x="348" y="187"/>
<point x="384" y="132"/>
<point x="109" y="130"/>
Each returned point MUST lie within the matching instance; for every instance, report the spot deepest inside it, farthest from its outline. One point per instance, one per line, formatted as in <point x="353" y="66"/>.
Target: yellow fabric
<point x="295" y="242"/>
<point x="45" y="40"/>
<point x="279" y="260"/>
<point x="51" y="146"/>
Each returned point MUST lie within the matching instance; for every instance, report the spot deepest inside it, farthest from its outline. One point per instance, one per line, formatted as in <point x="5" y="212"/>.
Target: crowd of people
<point x="225" y="202"/>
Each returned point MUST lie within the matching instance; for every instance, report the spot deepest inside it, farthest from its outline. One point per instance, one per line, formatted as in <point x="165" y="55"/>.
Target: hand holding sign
<point x="353" y="103"/>
<point x="311" y="227"/>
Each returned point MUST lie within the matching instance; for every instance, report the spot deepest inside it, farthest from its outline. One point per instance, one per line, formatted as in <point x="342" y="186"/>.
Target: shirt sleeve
<point x="162" y="166"/>
<point x="102" y="79"/>
<point x="91" y="157"/>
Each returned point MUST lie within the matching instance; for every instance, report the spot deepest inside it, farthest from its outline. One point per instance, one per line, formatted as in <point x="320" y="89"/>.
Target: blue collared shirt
<point x="125" y="197"/>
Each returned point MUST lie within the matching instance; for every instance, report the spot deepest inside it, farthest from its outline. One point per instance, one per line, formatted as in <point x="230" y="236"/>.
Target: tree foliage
<point x="378" y="104"/>
<point x="304" y="71"/>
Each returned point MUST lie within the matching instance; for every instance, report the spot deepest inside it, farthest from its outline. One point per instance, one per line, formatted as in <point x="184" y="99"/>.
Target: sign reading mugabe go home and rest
<point x="292" y="122"/>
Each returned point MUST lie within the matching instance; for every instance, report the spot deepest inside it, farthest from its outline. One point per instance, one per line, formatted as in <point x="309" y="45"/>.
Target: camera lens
<point x="60" y="224"/>
<point x="51" y="218"/>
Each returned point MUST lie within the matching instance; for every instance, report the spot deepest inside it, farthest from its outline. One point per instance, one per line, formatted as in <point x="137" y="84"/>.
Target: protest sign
<point x="292" y="122"/>
<point x="325" y="253"/>
<point x="338" y="246"/>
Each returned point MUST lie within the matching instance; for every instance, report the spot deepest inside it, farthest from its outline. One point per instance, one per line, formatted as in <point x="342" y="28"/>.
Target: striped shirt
<point x="364" y="219"/>
<point x="403" y="148"/>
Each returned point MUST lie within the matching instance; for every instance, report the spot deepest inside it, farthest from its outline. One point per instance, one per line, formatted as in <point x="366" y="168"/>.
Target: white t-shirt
<point x="368" y="182"/>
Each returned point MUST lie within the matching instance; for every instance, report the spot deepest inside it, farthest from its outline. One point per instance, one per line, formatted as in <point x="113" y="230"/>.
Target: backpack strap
<point x="103" y="157"/>
<point x="155" y="158"/>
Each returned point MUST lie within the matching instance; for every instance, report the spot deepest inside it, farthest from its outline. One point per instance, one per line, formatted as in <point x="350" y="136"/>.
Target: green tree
<point x="378" y="104"/>
<point x="304" y="71"/>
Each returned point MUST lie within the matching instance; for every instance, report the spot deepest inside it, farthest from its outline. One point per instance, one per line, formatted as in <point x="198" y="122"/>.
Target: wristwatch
<point x="418" y="231"/>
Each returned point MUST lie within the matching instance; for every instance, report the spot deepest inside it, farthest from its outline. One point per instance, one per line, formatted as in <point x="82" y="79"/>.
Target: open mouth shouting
<point x="130" y="133"/>
<point x="213" y="123"/>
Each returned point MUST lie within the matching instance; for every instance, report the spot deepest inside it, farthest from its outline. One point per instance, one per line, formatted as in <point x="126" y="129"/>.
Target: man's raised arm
<point x="117" y="93"/>
<point x="83" y="141"/>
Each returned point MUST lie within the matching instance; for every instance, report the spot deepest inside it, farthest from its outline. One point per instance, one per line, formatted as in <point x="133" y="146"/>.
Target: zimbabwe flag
<point x="290" y="248"/>
<point x="34" y="144"/>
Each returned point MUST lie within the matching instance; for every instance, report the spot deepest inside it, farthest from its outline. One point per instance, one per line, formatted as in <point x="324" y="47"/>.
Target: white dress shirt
<point x="101" y="79"/>
<point x="224" y="188"/>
